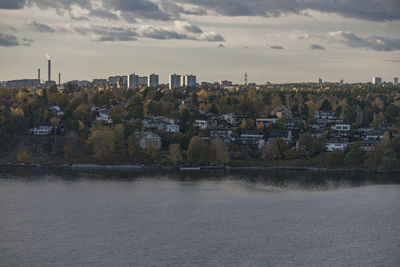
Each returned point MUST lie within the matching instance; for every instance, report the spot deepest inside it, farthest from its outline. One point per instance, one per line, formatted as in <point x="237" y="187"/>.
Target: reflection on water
<point x="61" y="217"/>
<point x="269" y="180"/>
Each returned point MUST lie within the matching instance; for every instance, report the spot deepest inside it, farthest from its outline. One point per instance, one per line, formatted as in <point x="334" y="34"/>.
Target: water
<point x="250" y="218"/>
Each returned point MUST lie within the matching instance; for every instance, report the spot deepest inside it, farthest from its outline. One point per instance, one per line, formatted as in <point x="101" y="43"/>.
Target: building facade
<point x="174" y="81"/>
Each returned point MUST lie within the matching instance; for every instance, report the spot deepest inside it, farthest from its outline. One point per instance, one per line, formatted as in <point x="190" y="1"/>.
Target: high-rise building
<point x="396" y="80"/>
<point x="143" y="80"/>
<point x="188" y="81"/>
<point x="124" y="81"/>
<point x="376" y="80"/>
<point x="99" y="81"/>
<point x="225" y="83"/>
<point x="113" y="80"/>
<point x="174" y="81"/>
<point x="152" y="80"/>
<point x="319" y="80"/>
<point x="133" y="80"/>
<point x="49" y="70"/>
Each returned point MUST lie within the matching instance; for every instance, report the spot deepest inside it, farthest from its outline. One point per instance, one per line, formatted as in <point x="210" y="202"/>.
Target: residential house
<point x="336" y="146"/>
<point x="284" y="134"/>
<point x="202" y="124"/>
<point x="282" y="112"/>
<point x="147" y="139"/>
<point x="266" y="122"/>
<point x="44" y="128"/>
<point x="295" y="123"/>
<point x="252" y="137"/>
<point x="104" y="116"/>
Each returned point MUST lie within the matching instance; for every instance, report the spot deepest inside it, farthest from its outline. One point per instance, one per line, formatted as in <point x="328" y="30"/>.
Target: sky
<point x="276" y="41"/>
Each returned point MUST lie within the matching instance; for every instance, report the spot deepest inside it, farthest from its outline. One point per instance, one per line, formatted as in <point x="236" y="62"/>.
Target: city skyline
<point x="273" y="41"/>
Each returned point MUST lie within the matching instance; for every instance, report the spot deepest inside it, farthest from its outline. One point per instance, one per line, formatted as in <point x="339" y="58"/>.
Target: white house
<point x="44" y="128"/>
<point x="202" y="124"/>
<point x="103" y="116"/>
<point x="172" y="128"/>
<point x="341" y="127"/>
<point x="336" y="146"/>
<point x="146" y="138"/>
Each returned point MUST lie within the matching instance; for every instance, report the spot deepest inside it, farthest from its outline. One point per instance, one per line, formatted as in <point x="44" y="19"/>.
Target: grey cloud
<point x="12" y="4"/>
<point x="144" y="9"/>
<point x="40" y="27"/>
<point x="221" y="46"/>
<point x="108" y="33"/>
<point x="114" y="33"/>
<point x="317" y="47"/>
<point x="187" y="27"/>
<point x="361" y="9"/>
<point x="28" y="40"/>
<point x="278" y="47"/>
<point x="374" y="10"/>
<point x="211" y="37"/>
<point x="59" y="5"/>
<point x="393" y="60"/>
<point x="101" y="13"/>
<point x="375" y="43"/>
<point x="8" y="40"/>
<point x="155" y="33"/>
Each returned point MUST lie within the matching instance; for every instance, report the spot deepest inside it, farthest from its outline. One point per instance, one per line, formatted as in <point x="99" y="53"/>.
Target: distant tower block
<point x="49" y="69"/>
<point x="245" y="78"/>
<point x="38" y="71"/>
<point x="59" y="79"/>
<point x="396" y="80"/>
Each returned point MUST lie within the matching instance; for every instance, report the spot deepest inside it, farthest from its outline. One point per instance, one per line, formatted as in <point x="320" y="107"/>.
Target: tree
<point x="333" y="159"/>
<point x="102" y="142"/>
<point x="175" y="153"/>
<point x="305" y="142"/>
<point x="326" y="106"/>
<point x="71" y="141"/>
<point x="117" y="114"/>
<point x="355" y="156"/>
<point x="198" y="151"/>
<point x="274" y="150"/>
<point x="292" y="154"/>
<point x="220" y="150"/>
<point x="119" y="138"/>
<point x="133" y="145"/>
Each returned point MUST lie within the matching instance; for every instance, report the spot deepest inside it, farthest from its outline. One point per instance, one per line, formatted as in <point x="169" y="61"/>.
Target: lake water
<point x="248" y="218"/>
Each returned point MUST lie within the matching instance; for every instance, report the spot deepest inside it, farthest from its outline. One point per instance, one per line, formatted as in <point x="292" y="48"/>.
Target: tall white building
<point x="376" y="80"/>
<point x="396" y="80"/>
<point x="133" y="80"/>
<point x="174" y="81"/>
<point x="152" y="80"/>
<point x="188" y="81"/>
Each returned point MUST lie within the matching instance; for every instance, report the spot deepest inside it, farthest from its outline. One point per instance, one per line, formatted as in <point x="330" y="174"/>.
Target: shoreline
<point x="184" y="168"/>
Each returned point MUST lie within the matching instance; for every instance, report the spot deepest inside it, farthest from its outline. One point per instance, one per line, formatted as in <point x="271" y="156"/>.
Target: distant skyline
<point x="273" y="41"/>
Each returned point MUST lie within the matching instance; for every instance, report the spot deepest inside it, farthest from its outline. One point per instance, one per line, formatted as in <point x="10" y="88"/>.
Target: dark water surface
<point x="54" y="217"/>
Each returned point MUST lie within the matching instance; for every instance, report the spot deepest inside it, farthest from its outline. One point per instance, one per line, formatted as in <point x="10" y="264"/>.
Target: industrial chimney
<point x="38" y="74"/>
<point x="59" y="79"/>
<point x="49" y="70"/>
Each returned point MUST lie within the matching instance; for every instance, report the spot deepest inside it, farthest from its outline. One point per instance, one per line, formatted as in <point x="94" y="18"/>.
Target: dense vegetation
<point x="80" y="138"/>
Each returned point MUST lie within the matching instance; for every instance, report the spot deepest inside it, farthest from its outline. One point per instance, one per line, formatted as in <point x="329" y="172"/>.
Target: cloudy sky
<point x="271" y="40"/>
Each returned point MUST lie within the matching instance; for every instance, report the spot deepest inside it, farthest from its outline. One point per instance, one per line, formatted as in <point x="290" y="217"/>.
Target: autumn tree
<point x="175" y="153"/>
<point x="198" y="151"/>
<point x="220" y="150"/>
<point x="101" y="140"/>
